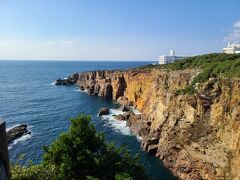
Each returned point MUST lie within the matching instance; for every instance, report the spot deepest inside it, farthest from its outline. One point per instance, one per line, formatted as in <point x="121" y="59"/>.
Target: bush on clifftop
<point x="81" y="153"/>
<point x="210" y="65"/>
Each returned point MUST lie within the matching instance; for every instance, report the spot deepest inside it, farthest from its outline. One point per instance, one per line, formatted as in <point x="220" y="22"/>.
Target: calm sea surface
<point x="28" y="95"/>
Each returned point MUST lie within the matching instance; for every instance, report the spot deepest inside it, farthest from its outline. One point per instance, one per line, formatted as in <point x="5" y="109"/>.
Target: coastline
<point x="170" y="124"/>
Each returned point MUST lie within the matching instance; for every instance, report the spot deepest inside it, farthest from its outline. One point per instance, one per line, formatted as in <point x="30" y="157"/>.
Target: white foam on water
<point x="50" y="84"/>
<point x="115" y="111"/>
<point x="22" y="138"/>
<point x="117" y="126"/>
<point x="139" y="138"/>
<point x="79" y="90"/>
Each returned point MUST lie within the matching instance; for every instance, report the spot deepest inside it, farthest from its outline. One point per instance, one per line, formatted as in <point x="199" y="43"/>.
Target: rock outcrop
<point x="195" y="136"/>
<point x="124" y="108"/>
<point x="17" y="132"/>
<point x="68" y="81"/>
<point x="103" y="111"/>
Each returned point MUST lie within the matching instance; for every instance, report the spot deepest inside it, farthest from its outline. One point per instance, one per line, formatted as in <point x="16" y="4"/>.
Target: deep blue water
<point x="27" y="95"/>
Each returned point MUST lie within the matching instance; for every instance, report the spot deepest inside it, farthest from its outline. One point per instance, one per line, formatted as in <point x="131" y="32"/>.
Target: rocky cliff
<point x="195" y="136"/>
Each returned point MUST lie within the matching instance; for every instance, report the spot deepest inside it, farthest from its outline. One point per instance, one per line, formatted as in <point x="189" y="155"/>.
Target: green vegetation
<point x="211" y="65"/>
<point x="227" y="65"/>
<point x="82" y="153"/>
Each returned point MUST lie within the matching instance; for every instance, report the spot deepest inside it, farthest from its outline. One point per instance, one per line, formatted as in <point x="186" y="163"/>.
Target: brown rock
<point x="81" y="88"/>
<point x="126" y="115"/>
<point x="148" y="142"/>
<point x="124" y="108"/>
<point x="120" y="87"/>
<point x="103" y="111"/>
<point x="90" y="89"/>
<point x="119" y="117"/>
<point x="106" y="91"/>
<point x="152" y="149"/>
<point x="96" y="89"/>
<point x="124" y="101"/>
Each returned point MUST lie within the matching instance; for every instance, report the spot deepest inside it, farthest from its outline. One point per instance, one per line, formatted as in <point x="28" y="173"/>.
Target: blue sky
<point x="115" y="29"/>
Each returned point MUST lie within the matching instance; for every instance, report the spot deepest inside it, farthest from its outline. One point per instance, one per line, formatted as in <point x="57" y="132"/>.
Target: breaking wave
<point x="22" y="138"/>
<point x="117" y="126"/>
<point x="79" y="90"/>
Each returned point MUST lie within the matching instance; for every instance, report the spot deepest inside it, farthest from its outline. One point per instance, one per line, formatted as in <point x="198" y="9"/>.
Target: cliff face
<point x="195" y="136"/>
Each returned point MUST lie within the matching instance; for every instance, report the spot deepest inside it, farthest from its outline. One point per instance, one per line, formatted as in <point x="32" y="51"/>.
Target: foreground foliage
<point x="81" y="153"/>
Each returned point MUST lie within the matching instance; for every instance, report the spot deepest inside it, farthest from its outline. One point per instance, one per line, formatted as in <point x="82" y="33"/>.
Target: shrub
<point x="81" y="153"/>
<point x="211" y="65"/>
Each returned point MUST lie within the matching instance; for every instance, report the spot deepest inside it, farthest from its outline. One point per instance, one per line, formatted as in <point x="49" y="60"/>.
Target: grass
<point x="211" y="65"/>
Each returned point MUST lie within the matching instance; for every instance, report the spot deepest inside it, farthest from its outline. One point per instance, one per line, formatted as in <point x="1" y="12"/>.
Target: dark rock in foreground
<point x="103" y="111"/>
<point x="17" y="132"/>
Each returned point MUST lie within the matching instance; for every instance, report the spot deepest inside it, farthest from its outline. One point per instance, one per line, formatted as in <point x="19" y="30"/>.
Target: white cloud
<point x="234" y="35"/>
<point x="237" y="24"/>
<point x="69" y="43"/>
<point x="65" y="48"/>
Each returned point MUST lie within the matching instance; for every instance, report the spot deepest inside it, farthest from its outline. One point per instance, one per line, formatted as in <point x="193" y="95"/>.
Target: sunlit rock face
<point x="195" y="136"/>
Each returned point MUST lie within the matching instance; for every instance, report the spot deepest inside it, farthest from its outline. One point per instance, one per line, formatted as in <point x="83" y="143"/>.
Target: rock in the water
<point x="124" y="108"/>
<point x="81" y="88"/>
<point x="119" y="117"/>
<point x="17" y="132"/>
<point x="103" y="111"/>
<point x="60" y="82"/>
<point x="126" y="115"/>
<point x="68" y="81"/>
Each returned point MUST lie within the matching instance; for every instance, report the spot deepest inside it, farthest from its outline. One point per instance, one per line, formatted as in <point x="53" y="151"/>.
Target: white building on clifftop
<point x="232" y="48"/>
<point x="170" y="58"/>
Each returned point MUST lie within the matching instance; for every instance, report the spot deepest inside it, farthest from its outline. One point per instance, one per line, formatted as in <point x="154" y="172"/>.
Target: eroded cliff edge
<point x="195" y="136"/>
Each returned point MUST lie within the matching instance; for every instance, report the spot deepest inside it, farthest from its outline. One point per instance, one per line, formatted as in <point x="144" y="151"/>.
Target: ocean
<point x="28" y="96"/>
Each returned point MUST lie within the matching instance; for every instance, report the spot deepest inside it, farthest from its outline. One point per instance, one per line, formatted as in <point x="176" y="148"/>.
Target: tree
<point x="82" y="153"/>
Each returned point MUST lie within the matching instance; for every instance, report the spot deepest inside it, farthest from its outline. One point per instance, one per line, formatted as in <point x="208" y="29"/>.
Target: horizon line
<point x="72" y="60"/>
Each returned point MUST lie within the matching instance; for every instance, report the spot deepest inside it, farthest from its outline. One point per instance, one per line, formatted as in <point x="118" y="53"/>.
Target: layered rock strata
<point x="195" y="136"/>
